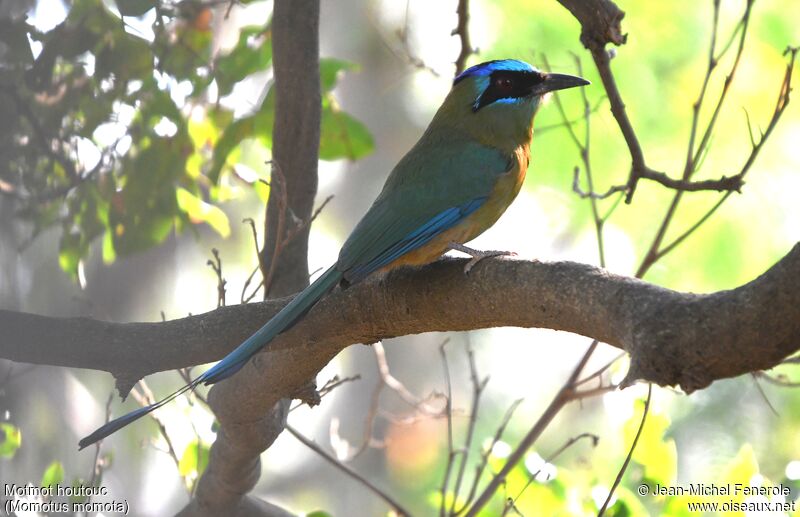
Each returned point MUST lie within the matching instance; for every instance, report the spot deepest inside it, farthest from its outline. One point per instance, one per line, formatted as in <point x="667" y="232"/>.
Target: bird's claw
<point x="486" y="254"/>
<point x="478" y="255"/>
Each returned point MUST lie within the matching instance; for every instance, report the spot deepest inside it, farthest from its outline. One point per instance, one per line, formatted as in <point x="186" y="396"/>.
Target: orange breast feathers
<point x="505" y="190"/>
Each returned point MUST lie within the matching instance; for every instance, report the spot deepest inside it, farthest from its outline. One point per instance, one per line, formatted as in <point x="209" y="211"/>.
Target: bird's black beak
<point x="553" y="82"/>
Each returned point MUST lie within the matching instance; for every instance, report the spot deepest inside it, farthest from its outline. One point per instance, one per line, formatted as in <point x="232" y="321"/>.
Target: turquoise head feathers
<point x="510" y="81"/>
<point x="495" y="102"/>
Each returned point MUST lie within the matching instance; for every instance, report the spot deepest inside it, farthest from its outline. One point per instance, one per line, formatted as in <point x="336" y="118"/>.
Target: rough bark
<point x="234" y="462"/>
<point x="296" y="133"/>
<point x="674" y="338"/>
<point x="600" y="22"/>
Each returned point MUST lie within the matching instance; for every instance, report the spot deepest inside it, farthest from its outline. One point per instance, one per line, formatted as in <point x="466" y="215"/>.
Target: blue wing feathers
<point x="442" y="221"/>
<point x="387" y="232"/>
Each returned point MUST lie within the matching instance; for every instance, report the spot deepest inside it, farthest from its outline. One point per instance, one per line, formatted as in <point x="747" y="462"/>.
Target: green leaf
<point x="10" y="440"/>
<point x="252" y="53"/>
<point x="206" y="131"/>
<point x="342" y="136"/>
<point x="319" y="513"/>
<point x="14" y="33"/>
<point x="125" y="56"/>
<point x="201" y="212"/>
<point x="194" y="459"/>
<point x="183" y="52"/>
<point x="93" y="111"/>
<point x="86" y="219"/>
<point x="742" y="467"/>
<point x="70" y="253"/>
<point x="145" y="213"/>
<point x="330" y="70"/>
<point x="134" y="8"/>
<point x="257" y="125"/>
<point x="109" y="255"/>
<point x="535" y="498"/>
<point x="53" y="474"/>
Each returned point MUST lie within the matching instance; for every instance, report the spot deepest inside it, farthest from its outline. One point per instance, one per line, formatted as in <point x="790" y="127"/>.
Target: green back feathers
<point x="443" y="170"/>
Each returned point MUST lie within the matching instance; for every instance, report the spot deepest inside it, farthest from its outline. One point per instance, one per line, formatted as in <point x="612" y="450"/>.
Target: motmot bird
<point x="455" y="182"/>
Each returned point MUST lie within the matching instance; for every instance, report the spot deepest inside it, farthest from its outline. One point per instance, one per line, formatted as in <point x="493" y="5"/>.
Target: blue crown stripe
<point x="486" y="69"/>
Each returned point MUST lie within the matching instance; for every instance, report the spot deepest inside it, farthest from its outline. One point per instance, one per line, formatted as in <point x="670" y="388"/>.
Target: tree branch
<point x="673" y="338"/>
<point x="462" y="31"/>
<point x="234" y="461"/>
<point x="723" y="184"/>
<point x="600" y="22"/>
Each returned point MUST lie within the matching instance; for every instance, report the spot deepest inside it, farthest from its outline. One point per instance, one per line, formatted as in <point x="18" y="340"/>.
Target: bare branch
<point x="478" y="385"/>
<point x="347" y="470"/>
<point x="576" y="188"/>
<point x="563" y="396"/>
<point x="498" y="435"/>
<point x="600" y="22"/>
<point x="405" y="52"/>
<point x="462" y="31"/>
<point x="216" y="265"/>
<point x="780" y="106"/>
<point x="261" y="266"/>
<point x="278" y="204"/>
<point x="569" y="443"/>
<point x="451" y="452"/>
<point x="234" y="458"/>
<point x="99" y="464"/>
<point x="778" y="380"/>
<point x="655" y="325"/>
<point x="724" y="184"/>
<point x="627" y="461"/>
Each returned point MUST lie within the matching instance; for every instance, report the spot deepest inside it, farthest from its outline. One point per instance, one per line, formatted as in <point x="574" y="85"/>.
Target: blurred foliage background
<point x="134" y="139"/>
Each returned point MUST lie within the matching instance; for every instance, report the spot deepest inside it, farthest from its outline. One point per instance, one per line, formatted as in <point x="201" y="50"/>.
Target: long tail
<point x="232" y="362"/>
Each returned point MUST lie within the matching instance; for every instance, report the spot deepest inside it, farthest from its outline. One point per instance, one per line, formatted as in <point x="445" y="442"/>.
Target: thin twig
<point x="791" y="360"/>
<point x="398" y="387"/>
<point x="599" y="371"/>
<point x="498" y="435"/>
<point x="603" y="64"/>
<point x="261" y="266"/>
<point x="245" y="297"/>
<point x="293" y="232"/>
<point x="478" y="386"/>
<point x="385" y="380"/>
<point x="406" y="52"/>
<point x="724" y="184"/>
<point x="145" y="398"/>
<point x="701" y="147"/>
<point x="277" y="181"/>
<point x="462" y="31"/>
<point x="630" y="451"/>
<point x="780" y="106"/>
<point x="562" y="397"/>
<point x="763" y="394"/>
<point x="584" y="149"/>
<point x="549" y="127"/>
<point x="576" y="188"/>
<point x="347" y="470"/>
<point x="569" y="443"/>
<point x="333" y="383"/>
<point x="216" y="265"/>
<point x="694" y="153"/>
<point x="451" y="453"/>
<point x="98" y="465"/>
<point x="778" y="380"/>
<point x="186" y="377"/>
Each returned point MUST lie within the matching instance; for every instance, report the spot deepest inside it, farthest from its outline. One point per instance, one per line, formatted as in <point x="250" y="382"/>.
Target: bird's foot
<point x="477" y="255"/>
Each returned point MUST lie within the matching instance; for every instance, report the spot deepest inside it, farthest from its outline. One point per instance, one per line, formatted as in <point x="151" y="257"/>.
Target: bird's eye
<point x="504" y="85"/>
